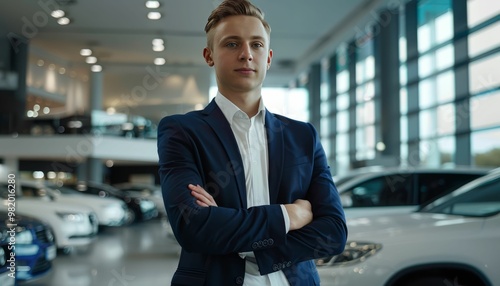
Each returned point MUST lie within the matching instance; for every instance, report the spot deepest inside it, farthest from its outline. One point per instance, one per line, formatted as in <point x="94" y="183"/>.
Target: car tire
<point x="130" y="217"/>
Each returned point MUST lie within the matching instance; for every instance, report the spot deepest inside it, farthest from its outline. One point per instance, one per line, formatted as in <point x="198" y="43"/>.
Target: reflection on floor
<point x="136" y="255"/>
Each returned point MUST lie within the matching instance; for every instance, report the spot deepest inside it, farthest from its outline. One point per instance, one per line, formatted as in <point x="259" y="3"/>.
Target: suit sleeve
<point x="326" y="235"/>
<point x="208" y="230"/>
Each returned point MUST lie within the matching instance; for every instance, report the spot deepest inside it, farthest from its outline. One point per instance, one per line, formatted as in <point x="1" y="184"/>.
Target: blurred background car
<point x="375" y="191"/>
<point x="34" y="246"/>
<point x="5" y="270"/>
<point x="72" y="225"/>
<point x="450" y="241"/>
<point x="109" y="211"/>
<point x="139" y="209"/>
<point x="151" y="192"/>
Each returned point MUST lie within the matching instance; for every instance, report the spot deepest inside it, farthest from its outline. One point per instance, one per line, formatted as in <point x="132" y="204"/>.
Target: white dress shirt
<point x="251" y="138"/>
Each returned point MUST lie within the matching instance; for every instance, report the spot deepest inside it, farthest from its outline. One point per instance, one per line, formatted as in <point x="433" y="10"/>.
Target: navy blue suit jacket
<point x="199" y="148"/>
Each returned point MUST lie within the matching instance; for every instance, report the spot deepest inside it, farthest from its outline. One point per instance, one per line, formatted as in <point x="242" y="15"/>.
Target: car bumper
<point x="112" y="219"/>
<point x="6" y="280"/>
<point x="77" y="234"/>
<point x="33" y="261"/>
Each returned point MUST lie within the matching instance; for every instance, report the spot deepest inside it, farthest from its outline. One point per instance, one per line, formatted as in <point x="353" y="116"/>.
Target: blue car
<point x="7" y="277"/>
<point x="34" y="246"/>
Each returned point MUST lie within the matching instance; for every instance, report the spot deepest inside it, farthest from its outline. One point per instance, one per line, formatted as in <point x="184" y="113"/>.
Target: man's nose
<point x="246" y="53"/>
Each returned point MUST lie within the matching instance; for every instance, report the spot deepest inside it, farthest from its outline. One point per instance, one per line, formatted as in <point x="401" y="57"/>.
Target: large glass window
<point x="484" y="82"/>
<point x="484" y="74"/>
<point x="435" y="23"/>
<point x="479" y="11"/>
<point x="437" y="152"/>
<point x="485" y="39"/>
<point x="486" y="148"/>
<point x="365" y="102"/>
<point x="484" y="111"/>
<point x="342" y="112"/>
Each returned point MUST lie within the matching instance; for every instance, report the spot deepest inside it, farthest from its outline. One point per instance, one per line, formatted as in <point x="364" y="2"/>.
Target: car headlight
<point x="147" y="205"/>
<point x="23" y="236"/>
<point x="71" y="217"/>
<point x="354" y="252"/>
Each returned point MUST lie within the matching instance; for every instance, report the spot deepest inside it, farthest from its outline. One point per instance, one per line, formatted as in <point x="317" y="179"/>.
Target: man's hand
<point x="300" y="213"/>
<point x="203" y="198"/>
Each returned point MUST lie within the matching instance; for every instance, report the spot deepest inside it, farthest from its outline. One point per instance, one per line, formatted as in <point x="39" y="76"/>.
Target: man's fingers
<point x="202" y="196"/>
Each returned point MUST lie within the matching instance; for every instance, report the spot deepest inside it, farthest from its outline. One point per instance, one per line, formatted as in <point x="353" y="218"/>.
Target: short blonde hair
<point x="233" y="8"/>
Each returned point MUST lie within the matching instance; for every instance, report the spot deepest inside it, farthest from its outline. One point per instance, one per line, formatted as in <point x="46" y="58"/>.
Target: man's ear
<point x="269" y="58"/>
<point x="207" y="54"/>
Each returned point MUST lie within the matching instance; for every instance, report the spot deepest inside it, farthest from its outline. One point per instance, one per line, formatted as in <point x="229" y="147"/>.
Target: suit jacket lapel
<point x="274" y="129"/>
<point x="215" y="118"/>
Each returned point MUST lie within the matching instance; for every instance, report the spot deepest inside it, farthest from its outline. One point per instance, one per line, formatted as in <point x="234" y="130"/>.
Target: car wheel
<point x="130" y="217"/>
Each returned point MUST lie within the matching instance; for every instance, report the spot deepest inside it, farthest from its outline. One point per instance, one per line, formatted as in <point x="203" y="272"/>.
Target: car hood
<point x="36" y="207"/>
<point x="411" y="226"/>
<point x="87" y="200"/>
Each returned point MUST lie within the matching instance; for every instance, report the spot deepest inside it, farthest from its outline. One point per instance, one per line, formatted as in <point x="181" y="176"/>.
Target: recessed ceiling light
<point x="152" y="4"/>
<point x="40" y="63"/>
<point x="91" y="60"/>
<point x="85" y="52"/>
<point x="63" y="21"/>
<point x="154" y="15"/>
<point x="96" y="68"/>
<point x="57" y="13"/>
<point x="157" y="42"/>
<point x="158" y="48"/>
<point x="159" y="61"/>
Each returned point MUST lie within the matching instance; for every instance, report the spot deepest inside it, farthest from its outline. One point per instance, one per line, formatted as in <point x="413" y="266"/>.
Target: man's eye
<point x="258" y="45"/>
<point x="231" y="45"/>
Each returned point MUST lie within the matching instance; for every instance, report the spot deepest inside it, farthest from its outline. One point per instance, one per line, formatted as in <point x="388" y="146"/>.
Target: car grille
<point x="41" y="265"/>
<point x="42" y="236"/>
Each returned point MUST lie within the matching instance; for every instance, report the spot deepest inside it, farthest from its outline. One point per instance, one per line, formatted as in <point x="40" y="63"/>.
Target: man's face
<point x="240" y="54"/>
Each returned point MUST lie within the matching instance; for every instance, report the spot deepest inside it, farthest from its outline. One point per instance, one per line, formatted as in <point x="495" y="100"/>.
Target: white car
<point x="374" y="191"/>
<point x="151" y="192"/>
<point x="451" y="241"/>
<point x="72" y="224"/>
<point x="109" y="211"/>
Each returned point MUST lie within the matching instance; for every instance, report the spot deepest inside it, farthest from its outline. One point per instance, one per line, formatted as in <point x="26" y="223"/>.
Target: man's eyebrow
<point x="233" y="37"/>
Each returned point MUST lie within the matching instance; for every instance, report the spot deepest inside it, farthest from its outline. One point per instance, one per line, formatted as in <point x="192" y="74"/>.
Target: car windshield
<point x="67" y="190"/>
<point x="476" y="199"/>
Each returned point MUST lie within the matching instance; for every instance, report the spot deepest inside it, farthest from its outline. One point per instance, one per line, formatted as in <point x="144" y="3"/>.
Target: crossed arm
<point x="300" y="212"/>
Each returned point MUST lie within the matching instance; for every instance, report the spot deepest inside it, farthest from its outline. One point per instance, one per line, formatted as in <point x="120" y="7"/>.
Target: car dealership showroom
<point x="403" y="95"/>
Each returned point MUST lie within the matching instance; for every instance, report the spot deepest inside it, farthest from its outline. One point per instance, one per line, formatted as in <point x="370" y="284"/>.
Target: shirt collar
<point x="229" y="109"/>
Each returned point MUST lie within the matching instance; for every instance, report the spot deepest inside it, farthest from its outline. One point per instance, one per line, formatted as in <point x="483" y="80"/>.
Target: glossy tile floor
<point x="140" y="254"/>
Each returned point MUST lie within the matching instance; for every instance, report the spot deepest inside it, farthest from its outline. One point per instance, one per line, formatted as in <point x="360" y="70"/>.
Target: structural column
<point x="94" y="168"/>
<point x="313" y="86"/>
<point x="387" y="110"/>
<point x="13" y="70"/>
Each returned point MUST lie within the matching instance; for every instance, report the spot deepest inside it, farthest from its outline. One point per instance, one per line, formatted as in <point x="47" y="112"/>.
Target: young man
<point x="249" y="194"/>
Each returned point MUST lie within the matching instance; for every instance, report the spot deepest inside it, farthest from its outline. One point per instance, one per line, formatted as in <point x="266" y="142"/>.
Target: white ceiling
<point x="120" y="36"/>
